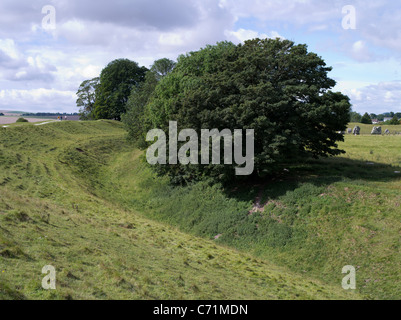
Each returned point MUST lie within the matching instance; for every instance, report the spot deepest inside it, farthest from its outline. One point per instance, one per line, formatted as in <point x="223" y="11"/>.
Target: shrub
<point x="22" y="120"/>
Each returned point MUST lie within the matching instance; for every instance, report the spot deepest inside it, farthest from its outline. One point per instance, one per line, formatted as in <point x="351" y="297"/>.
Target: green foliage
<point x="1" y="114"/>
<point x="391" y="114"/>
<point x="22" y="120"/>
<point x="162" y="67"/>
<point x="394" y="121"/>
<point x="355" y="117"/>
<point x="117" y="81"/>
<point x="135" y="120"/>
<point x="275" y="87"/>
<point x="87" y="98"/>
<point x="366" y="119"/>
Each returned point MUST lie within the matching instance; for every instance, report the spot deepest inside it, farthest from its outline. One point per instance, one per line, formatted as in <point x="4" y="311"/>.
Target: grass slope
<point x="62" y="203"/>
<point x="315" y="219"/>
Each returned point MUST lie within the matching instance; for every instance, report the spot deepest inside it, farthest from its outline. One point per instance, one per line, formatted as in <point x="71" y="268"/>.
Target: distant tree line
<point x="49" y="114"/>
<point x="368" y="118"/>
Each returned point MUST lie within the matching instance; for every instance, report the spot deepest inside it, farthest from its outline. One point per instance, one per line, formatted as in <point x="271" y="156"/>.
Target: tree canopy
<point x="162" y="67"/>
<point x="275" y="87"/>
<point x="87" y="98"/>
<point x="366" y="119"/>
<point x="117" y="80"/>
<point x="394" y="121"/>
<point x="134" y="119"/>
<point x="355" y="117"/>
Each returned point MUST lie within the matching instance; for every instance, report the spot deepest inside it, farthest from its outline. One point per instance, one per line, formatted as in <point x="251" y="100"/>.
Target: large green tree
<point x="162" y="67"/>
<point x="135" y="120"/>
<point x="366" y="119"/>
<point x="275" y="87"/>
<point x="86" y="98"/>
<point x="355" y="117"/>
<point x="116" y="83"/>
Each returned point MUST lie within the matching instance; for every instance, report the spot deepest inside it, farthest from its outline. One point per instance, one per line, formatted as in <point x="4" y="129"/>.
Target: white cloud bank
<point x="40" y="100"/>
<point x="377" y="98"/>
<point x="39" y="67"/>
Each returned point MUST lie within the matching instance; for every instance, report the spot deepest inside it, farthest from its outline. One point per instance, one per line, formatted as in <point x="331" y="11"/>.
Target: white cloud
<point x="88" y="35"/>
<point x="376" y="98"/>
<point x="360" y="51"/>
<point x="300" y="12"/>
<point x="320" y="27"/>
<point x="171" y="39"/>
<point x="242" y="35"/>
<point x="89" y="72"/>
<point x="378" y="21"/>
<point x="17" y="66"/>
<point x="8" y="47"/>
<point x="49" y="100"/>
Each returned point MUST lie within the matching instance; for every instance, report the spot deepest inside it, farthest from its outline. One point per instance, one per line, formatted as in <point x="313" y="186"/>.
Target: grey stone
<point x="377" y="130"/>
<point x="387" y="131"/>
<point x="357" y="131"/>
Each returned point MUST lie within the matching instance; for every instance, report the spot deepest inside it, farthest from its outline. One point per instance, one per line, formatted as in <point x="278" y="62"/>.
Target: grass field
<point x="367" y="128"/>
<point x="62" y="204"/>
<point x="314" y="219"/>
<point x="75" y="195"/>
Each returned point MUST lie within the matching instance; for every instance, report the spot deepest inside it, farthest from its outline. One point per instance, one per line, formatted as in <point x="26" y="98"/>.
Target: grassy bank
<point x="314" y="219"/>
<point x="74" y="195"/>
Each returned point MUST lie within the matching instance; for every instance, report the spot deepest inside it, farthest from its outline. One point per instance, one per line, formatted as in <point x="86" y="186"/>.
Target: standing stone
<point x="357" y="131"/>
<point x="377" y="130"/>
<point x="349" y="131"/>
<point x="387" y="131"/>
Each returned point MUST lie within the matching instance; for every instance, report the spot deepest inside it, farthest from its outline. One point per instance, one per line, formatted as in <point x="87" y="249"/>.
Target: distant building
<point x="375" y="121"/>
<point x="387" y="119"/>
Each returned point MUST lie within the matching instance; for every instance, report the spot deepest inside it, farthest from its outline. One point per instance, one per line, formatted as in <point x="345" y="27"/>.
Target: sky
<point x="47" y="48"/>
